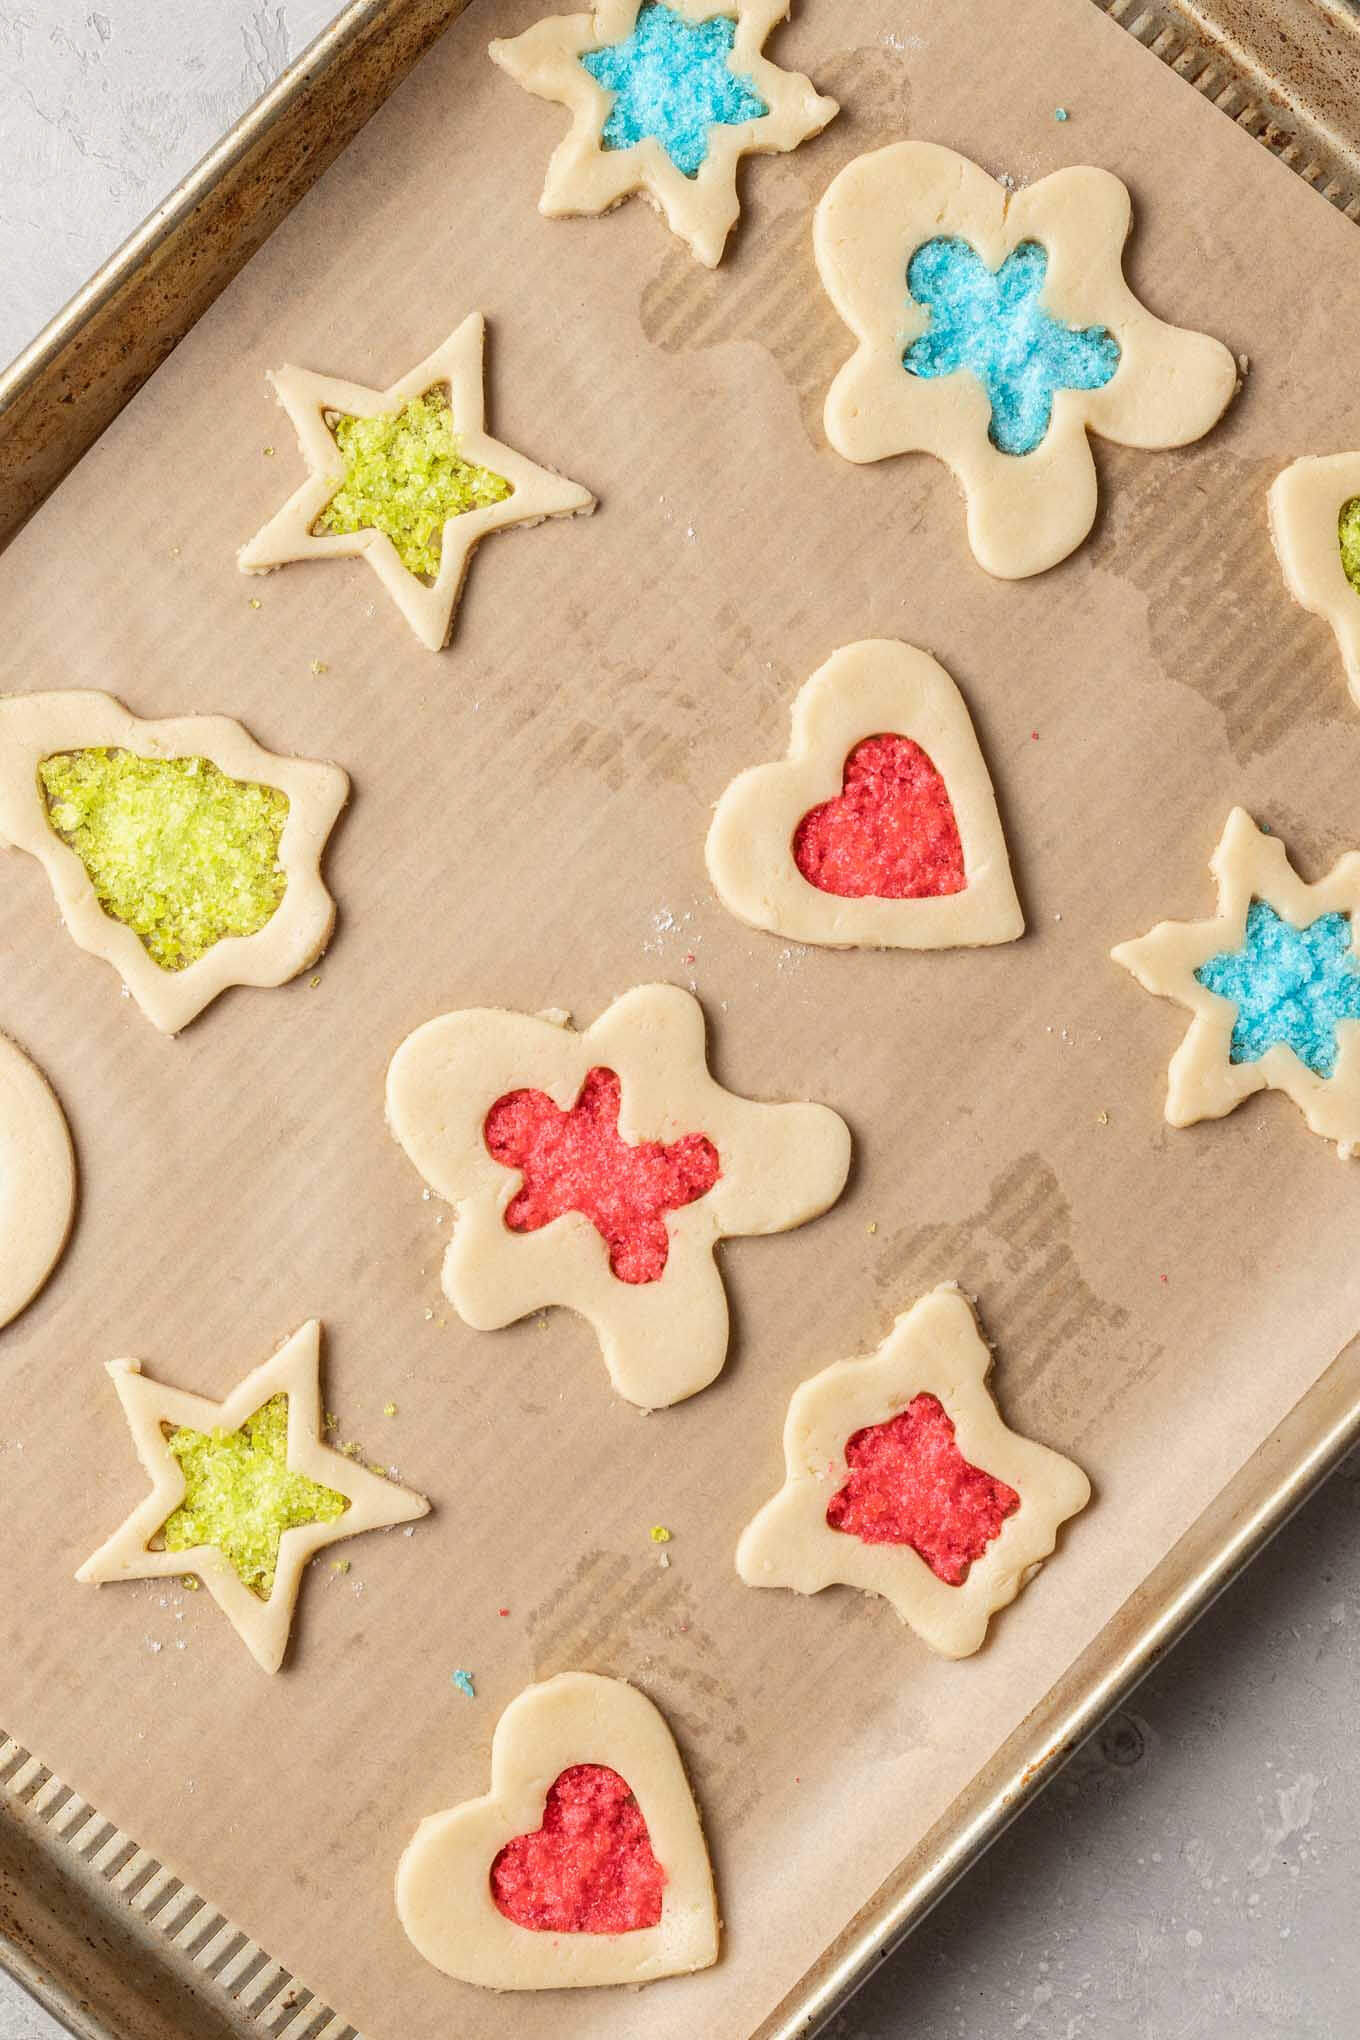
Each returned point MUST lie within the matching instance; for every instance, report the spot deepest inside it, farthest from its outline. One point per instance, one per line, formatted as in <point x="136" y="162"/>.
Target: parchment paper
<point x="527" y="829"/>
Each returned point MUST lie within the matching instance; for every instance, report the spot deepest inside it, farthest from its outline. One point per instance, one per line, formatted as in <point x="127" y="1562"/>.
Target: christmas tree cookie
<point x="584" y="1863"/>
<point x="1315" y="526"/>
<point x="599" y="1170"/>
<point x="181" y="852"/>
<point x="901" y="1479"/>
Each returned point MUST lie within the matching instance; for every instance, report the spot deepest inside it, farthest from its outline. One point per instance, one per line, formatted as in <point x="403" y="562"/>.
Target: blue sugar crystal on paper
<point x="1290" y="985"/>
<point x="991" y="323"/>
<point x="671" y="79"/>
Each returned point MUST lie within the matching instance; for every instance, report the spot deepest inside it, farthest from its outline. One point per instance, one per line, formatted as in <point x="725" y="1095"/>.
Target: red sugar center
<point x="889" y="835"/>
<point x="589" y="1869"/>
<point x="577" y="1161"/>
<point x="910" y="1484"/>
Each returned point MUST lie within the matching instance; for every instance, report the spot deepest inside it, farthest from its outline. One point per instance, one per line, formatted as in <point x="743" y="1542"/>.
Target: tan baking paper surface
<point x="527" y="829"/>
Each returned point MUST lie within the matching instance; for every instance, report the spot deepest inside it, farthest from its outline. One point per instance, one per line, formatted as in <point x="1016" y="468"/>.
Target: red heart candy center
<point x="910" y="1484"/>
<point x="589" y="1869"/>
<point x="890" y="834"/>
<point x="578" y="1161"/>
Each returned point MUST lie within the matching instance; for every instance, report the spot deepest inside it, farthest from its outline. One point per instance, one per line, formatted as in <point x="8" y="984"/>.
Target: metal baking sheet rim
<point x="63" y="390"/>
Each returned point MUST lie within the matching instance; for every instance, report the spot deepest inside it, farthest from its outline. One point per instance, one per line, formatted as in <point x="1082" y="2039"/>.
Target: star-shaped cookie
<point x="599" y="1170"/>
<point x="1272" y="982"/>
<point x="902" y="1479"/>
<point x="438" y="454"/>
<point x="326" y="1493"/>
<point x="665" y="98"/>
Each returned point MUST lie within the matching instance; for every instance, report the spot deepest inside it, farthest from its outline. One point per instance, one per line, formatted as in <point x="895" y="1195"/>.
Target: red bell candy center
<point x="578" y="1161"/>
<point x="890" y="834"/>
<point x="589" y="1869"/>
<point x="910" y="1484"/>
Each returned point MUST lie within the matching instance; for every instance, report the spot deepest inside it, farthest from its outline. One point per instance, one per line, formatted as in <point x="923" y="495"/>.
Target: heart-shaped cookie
<point x="879" y="828"/>
<point x="584" y="1864"/>
<point x="890" y="833"/>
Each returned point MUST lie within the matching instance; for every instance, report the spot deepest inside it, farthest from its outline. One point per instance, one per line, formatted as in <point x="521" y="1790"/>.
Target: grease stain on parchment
<point x="1066" y="1353"/>
<point x="627" y="1617"/>
<point x="768" y="290"/>
<point x="1188" y="529"/>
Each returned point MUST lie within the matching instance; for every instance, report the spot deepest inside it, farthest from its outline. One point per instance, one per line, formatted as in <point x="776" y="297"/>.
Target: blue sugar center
<point x="1290" y="985"/>
<point x="672" y="79"/>
<point x="990" y="322"/>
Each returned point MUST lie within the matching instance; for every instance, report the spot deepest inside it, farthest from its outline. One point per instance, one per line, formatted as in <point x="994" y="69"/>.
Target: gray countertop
<point x="1189" y="1874"/>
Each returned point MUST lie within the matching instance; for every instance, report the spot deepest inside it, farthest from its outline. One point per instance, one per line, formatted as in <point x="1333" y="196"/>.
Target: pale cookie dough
<point x="1251" y="868"/>
<point x="585" y="176"/>
<point x="878" y="687"/>
<point x="37" y="1180"/>
<point x="933" y="1349"/>
<point x="1306" y="502"/>
<point x="427" y="604"/>
<point x="444" y="1878"/>
<point x="374" y="1503"/>
<point x="1025" y="511"/>
<point x="36" y="727"/>
<point x="662" y="1339"/>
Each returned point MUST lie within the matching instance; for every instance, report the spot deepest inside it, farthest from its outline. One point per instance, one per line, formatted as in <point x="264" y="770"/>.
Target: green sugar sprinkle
<point x="240" y="1494"/>
<point x="1348" y="538"/>
<point x="173" y="848"/>
<point x="404" y="476"/>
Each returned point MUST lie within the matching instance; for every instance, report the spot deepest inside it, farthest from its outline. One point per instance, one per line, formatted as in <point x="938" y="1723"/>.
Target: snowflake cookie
<point x="244" y="1493"/>
<point x="408" y="479"/>
<point x="599" y="1170"/>
<point x="1272" y="983"/>
<point x="37" y="1180"/>
<point x="995" y="331"/>
<point x="901" y="1479"/>
<point x="585" y="1862"/>
<point x="665" y="97"/>
<point x="1315" y="524"/>
<point x="879" y="829"/>
<point x="182" y="852"/>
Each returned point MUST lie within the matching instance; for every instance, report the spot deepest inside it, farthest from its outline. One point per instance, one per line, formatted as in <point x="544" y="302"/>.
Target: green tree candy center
<point x="1348" y="539"/>
<point x="174" y="849"/>
<point x="240" y="1494"/>
<point x="405" y="477"/>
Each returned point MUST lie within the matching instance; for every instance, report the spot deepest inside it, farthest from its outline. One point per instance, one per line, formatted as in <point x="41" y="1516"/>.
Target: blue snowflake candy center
<point x="990" y="322"/>
<point x="1289" y="985"/>
<point x="672" y="78"/>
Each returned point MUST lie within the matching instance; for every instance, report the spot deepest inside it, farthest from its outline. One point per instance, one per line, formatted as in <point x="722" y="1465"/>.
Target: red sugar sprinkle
<point x="910" y="1484"/>
<point x="889" y="835"/>
<point x="502" y="1611"/>
<point x="577" y="1161"/>
<point x="589" y="1869"/>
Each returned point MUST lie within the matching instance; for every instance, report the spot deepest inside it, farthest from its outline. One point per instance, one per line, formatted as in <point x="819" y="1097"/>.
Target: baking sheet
<point x="606" y="679"/>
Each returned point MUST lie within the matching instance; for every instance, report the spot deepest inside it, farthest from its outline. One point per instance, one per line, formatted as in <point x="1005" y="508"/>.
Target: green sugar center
<point x="174" y="849"/>
<point x="240" y="1494"/>
<point x="404" y="476"/>
<point x="1348" y="538"/>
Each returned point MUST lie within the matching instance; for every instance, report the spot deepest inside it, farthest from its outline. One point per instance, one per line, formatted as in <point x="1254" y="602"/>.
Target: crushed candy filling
<point x="404" y="476"/>
<point x="578" y="1161"/>
<point x="991" y="323"/>
<point x="174" y="849"/>
<point x="240" y="1494"/>
<point x="909" y="1484"/>
<point x="672" y="78"/>
<point x="590" y="1868"/>
<point x="890" y="834"/>
<point x="1348" y="539"/>
<point x="1289" y="985"/>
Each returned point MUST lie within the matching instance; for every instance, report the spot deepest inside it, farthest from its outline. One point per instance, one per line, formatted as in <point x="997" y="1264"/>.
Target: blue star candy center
<point x="1289" y="985"/>
<point x="672" y="79"/>
<point x="990" y="322"/>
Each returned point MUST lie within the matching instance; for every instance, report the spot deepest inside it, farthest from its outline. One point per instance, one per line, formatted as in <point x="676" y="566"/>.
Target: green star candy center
<point x="405" y="477"/>
<point x="174" y="849"/>
<point x="240" y="1494"/>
